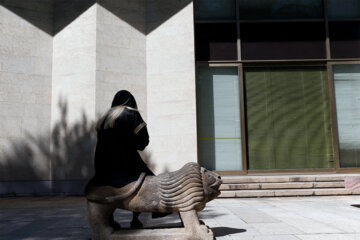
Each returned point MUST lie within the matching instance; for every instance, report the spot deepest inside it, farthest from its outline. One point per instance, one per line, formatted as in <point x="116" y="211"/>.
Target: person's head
<point x="124" y="98"/>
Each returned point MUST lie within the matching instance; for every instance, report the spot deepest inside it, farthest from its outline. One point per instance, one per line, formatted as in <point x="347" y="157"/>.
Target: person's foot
<point x="136" y="224"/>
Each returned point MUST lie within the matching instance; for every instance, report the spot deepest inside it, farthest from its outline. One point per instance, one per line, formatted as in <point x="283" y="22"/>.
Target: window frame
<point x="336" y="142"/>
<point x="328" y="62"/>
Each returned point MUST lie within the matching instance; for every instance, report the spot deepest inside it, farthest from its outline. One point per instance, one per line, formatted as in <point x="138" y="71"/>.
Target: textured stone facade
<point x="25" y="88"/>
<point x="62" y="61"/>
<point x="74" y="86"/>
<point x="121" y="51"/>
<point x="171" y="84"/>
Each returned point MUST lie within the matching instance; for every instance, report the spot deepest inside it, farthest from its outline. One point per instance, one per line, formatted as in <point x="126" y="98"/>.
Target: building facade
<point x="239" y="86"/>
<point x="277" y="85"/>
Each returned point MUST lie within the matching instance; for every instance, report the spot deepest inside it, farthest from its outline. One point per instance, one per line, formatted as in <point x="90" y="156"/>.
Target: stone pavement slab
<point x="290" y="218"/>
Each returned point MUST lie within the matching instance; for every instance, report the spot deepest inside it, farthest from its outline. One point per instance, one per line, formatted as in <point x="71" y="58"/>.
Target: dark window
<point x="215" y="41"/>
<point x="263" y="41"/>
<point x="343" y="8"/>
<point x="280" y="9"/>
<point x="215" y="10"/>
<point x="344" y="39"/>
<point x="287" y="109"/>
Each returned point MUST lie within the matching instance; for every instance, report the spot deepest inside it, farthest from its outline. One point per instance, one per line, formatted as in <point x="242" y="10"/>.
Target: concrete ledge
<point x="294" y="192"/>
<point x="227" y="194"/>
<point x="69" y="187"/>
<point x="288" y="192"/>
<point x="335" y="177"/>
<point x="240" y="186"/>
<point x="152" y="234"/>
<point x="289" y="185"/>
<point x="31" y="188"/>
<point x="332" y="191"/>
<point x="286" y="185"/>
<point x="329" y="184"/>
<point x="25" y="188"/>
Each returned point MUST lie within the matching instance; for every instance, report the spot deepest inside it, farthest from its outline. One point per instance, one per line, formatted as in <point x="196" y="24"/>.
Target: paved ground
<point x="305" y="218"/>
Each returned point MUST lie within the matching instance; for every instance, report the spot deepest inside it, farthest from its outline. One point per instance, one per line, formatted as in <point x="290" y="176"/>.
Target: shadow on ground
<point x="223" y="231"/>
<point x="208" y="213"/>
<point x="43" y="218"/>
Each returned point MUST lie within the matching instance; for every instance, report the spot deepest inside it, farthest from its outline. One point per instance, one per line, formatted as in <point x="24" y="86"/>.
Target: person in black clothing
<point x="121" y="132"/>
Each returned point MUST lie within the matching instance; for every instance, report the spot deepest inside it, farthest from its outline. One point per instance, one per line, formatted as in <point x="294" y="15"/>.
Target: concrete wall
<point x="120" y="52"/>
<point x="25" y="89"/>
<point x="171" y="84"/>
<point x="150" y="52"/>
<point x="74" y="86"/>
<point x="61" y="62"/>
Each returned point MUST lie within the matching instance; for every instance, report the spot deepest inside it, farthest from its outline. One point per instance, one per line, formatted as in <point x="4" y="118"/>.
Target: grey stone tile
<point x="275" y="228"/>
<point x="309" y="218"/>
<point x="252" y="215"/>
<point x="305" y="224"/>
<point x="334" y="220"/>
<point x="268" y="237"/>
<point x="224" y="238"/>
<point x="230" y="221"/>
<point x="329" y="237"/>
<point x="9" y="227"/>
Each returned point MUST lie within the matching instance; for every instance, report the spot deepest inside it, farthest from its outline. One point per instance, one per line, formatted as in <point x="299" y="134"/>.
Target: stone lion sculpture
<point x="185" y="191"/>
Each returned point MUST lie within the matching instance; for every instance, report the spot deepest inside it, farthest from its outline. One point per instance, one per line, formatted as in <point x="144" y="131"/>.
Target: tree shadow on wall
<point x="65" y="154"/>
<point x="73" y="144"/>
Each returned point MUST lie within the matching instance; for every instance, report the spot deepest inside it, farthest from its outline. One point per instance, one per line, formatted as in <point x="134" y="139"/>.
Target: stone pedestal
<point x="155" y="234"/>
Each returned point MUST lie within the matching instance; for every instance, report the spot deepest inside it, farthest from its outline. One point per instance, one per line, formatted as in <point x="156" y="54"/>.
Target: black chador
<point x="121" y="132"/>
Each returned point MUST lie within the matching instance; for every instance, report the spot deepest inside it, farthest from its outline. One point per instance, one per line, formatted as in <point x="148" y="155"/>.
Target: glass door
<point x="347" y="95"/>
<point x="218" y="111"/>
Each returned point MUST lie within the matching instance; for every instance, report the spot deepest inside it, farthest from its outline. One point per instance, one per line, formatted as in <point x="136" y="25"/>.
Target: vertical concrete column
<point x="25" y="90"/>
<point x="171" y="98"/>
<point x="74" y="86"/>
<point x="121" y="51"/>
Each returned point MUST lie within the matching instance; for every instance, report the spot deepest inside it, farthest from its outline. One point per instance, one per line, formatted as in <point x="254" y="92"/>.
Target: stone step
<point x="286" y="178"/>
<point x="352" y="183"/>
<point x="287" y="192"/>
<point x="286" y="185"/>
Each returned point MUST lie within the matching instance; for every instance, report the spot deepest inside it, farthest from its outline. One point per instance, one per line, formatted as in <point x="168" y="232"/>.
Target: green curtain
<point x="288" y="118"/>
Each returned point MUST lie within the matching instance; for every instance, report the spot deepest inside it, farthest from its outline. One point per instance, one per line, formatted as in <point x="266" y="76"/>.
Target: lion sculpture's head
<point x="211" y="183"/>
<point x="190" y="187"/>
